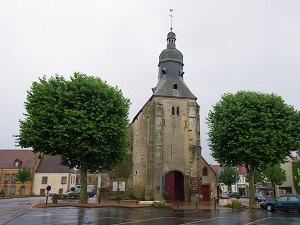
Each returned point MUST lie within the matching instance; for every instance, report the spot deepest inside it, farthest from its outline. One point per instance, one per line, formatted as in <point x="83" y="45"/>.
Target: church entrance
<point x="174" y="185"/>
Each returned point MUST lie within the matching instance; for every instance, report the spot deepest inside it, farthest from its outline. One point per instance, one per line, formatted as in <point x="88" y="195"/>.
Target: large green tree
<point x="252" y="129"/>
<point x="23" y="175"/>
<point x="84" y="120"/>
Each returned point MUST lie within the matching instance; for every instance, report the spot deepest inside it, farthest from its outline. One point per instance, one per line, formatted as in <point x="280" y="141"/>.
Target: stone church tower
<point x="165" y="135"/>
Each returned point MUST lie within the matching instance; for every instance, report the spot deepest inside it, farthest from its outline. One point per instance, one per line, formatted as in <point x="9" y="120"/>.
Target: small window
<point x="5" y="189"/>
<point x="44" y="180"/>
<point x="293" y="199"/>
<point x="175" y="86"/>
<point x="42" y="191"/>
<point x="14" y="178"/>
<point x="60" y="191"/>
<point x="6" y="178"/>
<point x="282" y="199"/>
<point x="78" y="180"/>
<point x="89" y="180"/>
<point x="204" y="171"/>
<point x="173" y="110"/>
<point x="16" y="163"/>
<point x="12" y="190"/>
<point x="64" y="180"/>
<point x="177" y="110"/>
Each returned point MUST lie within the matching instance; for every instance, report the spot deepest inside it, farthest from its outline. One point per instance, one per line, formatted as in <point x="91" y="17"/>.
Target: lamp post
<point x="236" y="178"/>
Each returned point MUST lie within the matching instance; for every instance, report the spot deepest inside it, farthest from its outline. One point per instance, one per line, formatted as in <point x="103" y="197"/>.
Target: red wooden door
<point x="205" y="192"/>
<point x="170" y="185"/>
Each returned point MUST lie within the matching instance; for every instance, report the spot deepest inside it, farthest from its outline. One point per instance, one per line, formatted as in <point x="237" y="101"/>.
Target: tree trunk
<point x="83" y="177"/>
<point x="250" y="173"/>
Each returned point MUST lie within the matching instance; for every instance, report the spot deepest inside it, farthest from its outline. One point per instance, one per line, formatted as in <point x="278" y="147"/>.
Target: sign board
<point x="48" y="188"/>
<point x="119" y="185"/>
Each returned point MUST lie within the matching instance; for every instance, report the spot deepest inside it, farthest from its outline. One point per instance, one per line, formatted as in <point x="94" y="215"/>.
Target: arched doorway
<point x="174" y="185"/>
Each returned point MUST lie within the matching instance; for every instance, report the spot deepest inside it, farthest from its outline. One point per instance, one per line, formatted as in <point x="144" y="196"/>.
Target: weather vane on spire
<point x="171" y="10"/>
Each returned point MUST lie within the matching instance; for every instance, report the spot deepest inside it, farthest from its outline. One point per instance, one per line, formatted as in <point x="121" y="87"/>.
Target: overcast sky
<point x="227" y="46"/>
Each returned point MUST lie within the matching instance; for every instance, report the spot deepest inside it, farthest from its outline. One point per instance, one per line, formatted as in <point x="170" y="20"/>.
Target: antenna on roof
<point x="171" y="10"/>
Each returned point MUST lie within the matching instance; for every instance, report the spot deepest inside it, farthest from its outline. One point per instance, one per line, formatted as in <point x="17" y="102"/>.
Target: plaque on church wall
<point x="119" y="185"/>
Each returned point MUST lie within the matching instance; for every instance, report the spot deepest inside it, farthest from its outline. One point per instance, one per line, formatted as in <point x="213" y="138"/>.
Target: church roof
<point x="171" y="83"/>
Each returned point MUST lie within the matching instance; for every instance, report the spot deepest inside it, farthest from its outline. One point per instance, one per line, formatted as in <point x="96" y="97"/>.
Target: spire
<point x="171" y="35"/>
<point x="171" y="16"/>
<point x="170" y="72"/>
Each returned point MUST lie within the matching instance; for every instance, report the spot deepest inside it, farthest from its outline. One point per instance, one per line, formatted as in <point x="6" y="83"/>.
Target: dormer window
<point x="17" y="163"/>
<point x="175" y="86"/>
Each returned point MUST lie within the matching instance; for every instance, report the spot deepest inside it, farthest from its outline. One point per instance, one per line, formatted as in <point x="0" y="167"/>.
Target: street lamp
<point x="236" y="178"/>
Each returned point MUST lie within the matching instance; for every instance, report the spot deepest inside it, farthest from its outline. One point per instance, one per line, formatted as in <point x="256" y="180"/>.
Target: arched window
<point x="204" y="171"/>
<point x="177" y="111"/>
<point x="173" y="110"/>
<point x="175" y="86"/>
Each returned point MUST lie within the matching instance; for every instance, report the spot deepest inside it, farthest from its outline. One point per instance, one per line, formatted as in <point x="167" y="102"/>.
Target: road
<point x="138" y="216"/>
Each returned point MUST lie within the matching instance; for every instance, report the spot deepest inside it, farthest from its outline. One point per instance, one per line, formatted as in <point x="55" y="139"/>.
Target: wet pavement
<point x="20" y="211"/>
<point x="149" y="216"/>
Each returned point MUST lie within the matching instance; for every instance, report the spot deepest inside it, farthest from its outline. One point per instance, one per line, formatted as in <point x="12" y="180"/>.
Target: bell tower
<point x="165" y="135"/>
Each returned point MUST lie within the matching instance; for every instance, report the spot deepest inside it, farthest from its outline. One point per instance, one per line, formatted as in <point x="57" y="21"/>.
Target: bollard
<point x="99" y="200"/>
<point x="215" y="205"/>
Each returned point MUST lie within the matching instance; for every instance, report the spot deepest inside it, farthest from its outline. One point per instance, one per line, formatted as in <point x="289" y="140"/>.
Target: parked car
<point x="284" y="203"/>
<point x="223" y="195"/>
<point x="235" y="195"/>
<point x="89" y="191"/>
<point x="259" y="198"/>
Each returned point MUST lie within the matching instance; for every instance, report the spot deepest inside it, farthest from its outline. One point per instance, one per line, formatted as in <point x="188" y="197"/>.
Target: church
<point x="165" y="150"/>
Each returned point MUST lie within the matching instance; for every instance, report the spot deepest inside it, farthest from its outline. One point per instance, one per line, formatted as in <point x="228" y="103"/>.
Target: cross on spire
<point x="171" y="10"/>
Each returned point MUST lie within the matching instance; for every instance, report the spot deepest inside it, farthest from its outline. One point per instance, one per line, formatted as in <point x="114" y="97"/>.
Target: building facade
<point x="49" y="172"/>
<point x="10" y="163"/>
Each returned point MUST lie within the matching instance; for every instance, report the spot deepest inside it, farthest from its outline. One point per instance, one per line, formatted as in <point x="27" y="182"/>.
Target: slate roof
<point x="51" y="164"/>
<point x="165" y="88"/>
<point x="8" y="157"/>
<point x="171" y="72"/>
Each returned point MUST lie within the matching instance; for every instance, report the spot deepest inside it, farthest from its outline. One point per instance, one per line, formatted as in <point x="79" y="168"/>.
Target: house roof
<point x="216" y="168"/>
<point x="242" y="170"/>
<point x="8" y="158"/>
<point x="52" y="164"/>
<point x="209" y="166"/>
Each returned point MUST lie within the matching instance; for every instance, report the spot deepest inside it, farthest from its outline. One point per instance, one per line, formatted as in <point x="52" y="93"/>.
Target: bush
<point x="165" y="194"/>
<point x="163" y="204"/>
<point x="236" y="204"/>
<point x="137" y="192"/>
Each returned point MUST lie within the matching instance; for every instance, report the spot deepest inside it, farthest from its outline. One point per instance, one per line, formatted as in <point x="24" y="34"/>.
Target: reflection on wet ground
<point x="149" y="216"/>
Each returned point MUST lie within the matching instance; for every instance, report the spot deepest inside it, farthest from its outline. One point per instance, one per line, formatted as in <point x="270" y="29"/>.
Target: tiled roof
<point x="51" y="164"/>
<point x="8" y="157"/>
<point x="242" y="170"/>
<point x="216" y="168"/>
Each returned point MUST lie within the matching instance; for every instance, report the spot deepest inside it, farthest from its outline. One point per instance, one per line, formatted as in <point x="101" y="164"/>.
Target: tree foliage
<point x="227" y="176"/>
<point x="24" y="175"/>
<point x="252" y="129"/>
<point x="84" y="120"/>
<point x="275" y="175"/>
